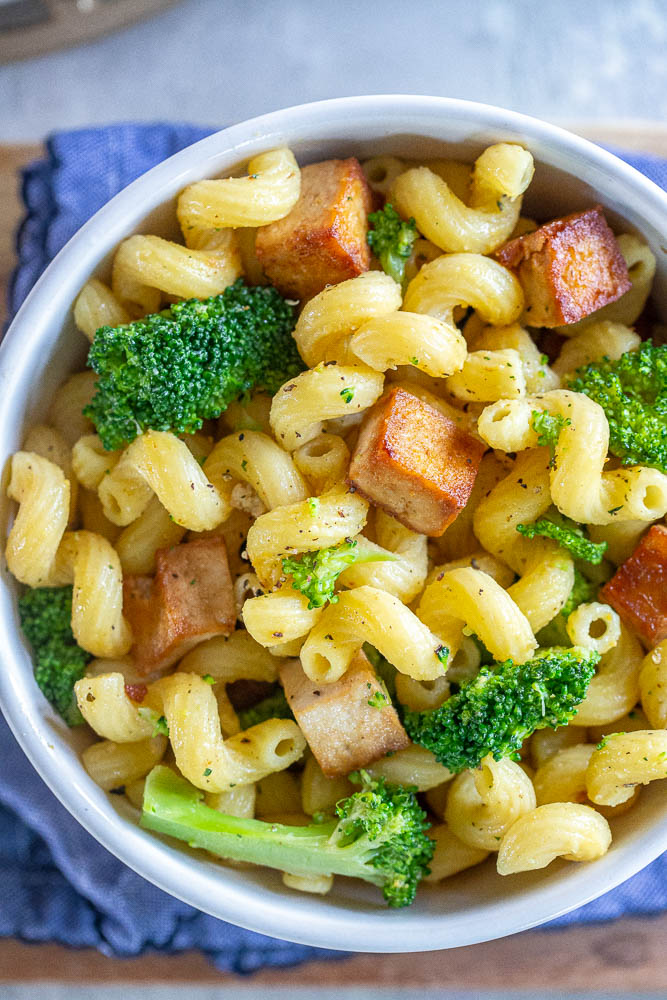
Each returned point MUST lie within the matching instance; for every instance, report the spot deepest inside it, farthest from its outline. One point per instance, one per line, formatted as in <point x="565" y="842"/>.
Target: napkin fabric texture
<point x="59" y="884"/>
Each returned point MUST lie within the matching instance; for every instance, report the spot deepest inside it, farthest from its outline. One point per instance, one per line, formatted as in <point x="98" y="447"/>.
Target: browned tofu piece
<point x="568" y="268"/>
<point x="414" y="462"/>
<point x="638" y="588"/>
<point x="189" y="600"/>
<point x="341" y="728"/>
<point x="323" y="239"/>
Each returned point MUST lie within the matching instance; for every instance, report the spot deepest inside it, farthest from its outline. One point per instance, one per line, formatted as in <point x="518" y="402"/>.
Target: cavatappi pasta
<point x="254" y="589"/>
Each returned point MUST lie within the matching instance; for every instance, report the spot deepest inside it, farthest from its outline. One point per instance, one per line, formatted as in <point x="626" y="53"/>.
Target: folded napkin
<point x="60" y="885"/>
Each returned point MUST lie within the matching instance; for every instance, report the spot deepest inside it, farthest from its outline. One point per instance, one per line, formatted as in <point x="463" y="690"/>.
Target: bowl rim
<point x="288" y="917"/>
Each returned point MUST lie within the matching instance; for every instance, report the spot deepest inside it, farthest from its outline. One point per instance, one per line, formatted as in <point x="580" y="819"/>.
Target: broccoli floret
<point x="174" y="369"/>
<point x="555" y="633"/>
<point x="379" y="835"/>
<point x="315" y="573"/>
<point x="632" y="391"/>
<point x="391" y="240"/>
<point x="499" y="709"/>
<point x="548" y="426"/>
<point x="46" y="616"/>
<point x="582" y="592"/>
<point x="274" y="706"/>
<point x="568" y="534"/>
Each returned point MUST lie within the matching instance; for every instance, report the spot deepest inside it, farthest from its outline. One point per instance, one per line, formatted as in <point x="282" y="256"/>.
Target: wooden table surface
<point x="624" y="956"/>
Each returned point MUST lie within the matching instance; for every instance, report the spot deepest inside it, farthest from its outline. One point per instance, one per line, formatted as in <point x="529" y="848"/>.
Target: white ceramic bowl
<point x="42" y="347"/>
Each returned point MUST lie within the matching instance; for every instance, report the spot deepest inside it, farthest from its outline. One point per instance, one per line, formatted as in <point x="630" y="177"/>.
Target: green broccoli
<point x="172" y="370"/>
<point x="632" y="391"/>
<point x="315" y="573"/>
<point x="548" y="426"/>
<point x="555" y="633"/>
<point x="391" y="240"/>
<point x="274" y="706"/>
<point x="568" y="534"/>
<point x="379" y="835"/>
<point x="582" y="592"/>
<point x="499" y="709"/>
<point x="46" y="616"/>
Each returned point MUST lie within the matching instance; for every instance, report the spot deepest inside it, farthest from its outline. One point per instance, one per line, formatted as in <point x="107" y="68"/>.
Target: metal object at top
<point x="32" y="27"/>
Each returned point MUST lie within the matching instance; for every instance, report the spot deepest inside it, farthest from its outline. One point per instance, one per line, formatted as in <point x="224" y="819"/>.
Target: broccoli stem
<point x="173" y="806"/>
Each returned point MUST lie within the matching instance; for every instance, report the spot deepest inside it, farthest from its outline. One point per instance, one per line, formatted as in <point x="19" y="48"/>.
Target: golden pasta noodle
<point x="465" y="279"/>
<point x="625" y="760"/>
<point x="555" y="830"/>
<point x="253" y="457"/>
<point x="319" y="794"/>
<point x="470" y="597"/>
<point x="451" y="855"/>
<point x="175" y="269"/>
<point x="238" y="801"/>
<point x="138" y="543"/>
<point x="330" y="317"/>
<point x="112" y="765"/>
<point x="93" y="517"/>
<point x="96" y="306"/>
<point x="50" y="443"/>
<point x="367" y="614"/>
<point x="413" y="767"/>
<point x="538" y="376"/>
<point x="65" y="412"/>
<point x="202" y="756"/>
<point x="501" y="175"/>
<point x="404" y="338"/>
<point x="267" y="193"/>
<point x="562" y="778"/>
<point x="278" y="618"/>
<point x="320" y="885"/>
<point x="483" y="804"/>
<point x="545" y="743"/>
<point x="580" y="486"/>
<point x="323" y="393"/>
<point x="91" y="462"/>
<point x="402" y="575"/>
<point x="323" y="461"/>
<point x="615" y="688"/>
<point x="91" y="564"/>
<point x="106" y="707"/>
<point x="596" y="341"/>
<point x="276" y="793"/>
<point x="653" y="685"/>
<point x="382" y="171"/>
<point x="159" y="463"/>
<point x="43" y="495"/>
<point x="421" y="696"/>
<point x="303" y="527"/>
<point x="621" y="537"/>
<point x="489" y="375"/>
<point x="594" y="626"/>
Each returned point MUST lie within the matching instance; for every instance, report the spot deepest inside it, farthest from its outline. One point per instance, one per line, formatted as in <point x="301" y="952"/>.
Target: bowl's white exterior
<point x="42" y="347"/>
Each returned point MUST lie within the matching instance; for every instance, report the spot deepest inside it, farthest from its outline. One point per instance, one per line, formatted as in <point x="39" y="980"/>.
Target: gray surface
<point x="216" y="61"/>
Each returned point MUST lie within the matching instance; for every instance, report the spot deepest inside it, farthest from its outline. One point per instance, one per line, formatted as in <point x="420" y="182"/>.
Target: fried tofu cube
<point x="347" y="724"/>
<point x="414" y="462"/>
<point x="323" y="239"/>
<point x="568" y="268"/>
<point x="189" y="600"/>
<point x="638" y="588"/>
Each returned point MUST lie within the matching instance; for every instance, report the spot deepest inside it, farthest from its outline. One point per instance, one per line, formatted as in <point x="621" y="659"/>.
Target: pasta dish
<point x="349" y="543"/>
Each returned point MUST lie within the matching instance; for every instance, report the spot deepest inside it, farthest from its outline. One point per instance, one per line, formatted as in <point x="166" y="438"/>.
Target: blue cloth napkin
<point x="59" y="884"/>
